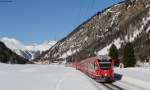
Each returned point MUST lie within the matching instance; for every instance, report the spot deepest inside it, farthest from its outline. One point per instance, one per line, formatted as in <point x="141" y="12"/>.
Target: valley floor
<point x="59" y="77"/>
<point x="42" y="77"/>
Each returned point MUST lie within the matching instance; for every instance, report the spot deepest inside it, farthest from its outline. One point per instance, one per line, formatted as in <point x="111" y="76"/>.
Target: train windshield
<point x="105" y="66"/>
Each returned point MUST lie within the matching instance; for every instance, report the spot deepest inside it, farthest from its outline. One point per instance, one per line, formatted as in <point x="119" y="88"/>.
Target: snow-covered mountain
<point x="127" y="21"/>
<point x="27" y="51"/>
<point x="8" y="56"/>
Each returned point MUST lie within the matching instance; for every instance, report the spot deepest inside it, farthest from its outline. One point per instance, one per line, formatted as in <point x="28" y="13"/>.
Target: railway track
<point x="111" y="86"/>
<point x="104" y="86"/>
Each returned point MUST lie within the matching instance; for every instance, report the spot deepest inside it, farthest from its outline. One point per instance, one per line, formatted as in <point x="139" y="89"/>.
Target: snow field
<point x="134" y="78"/>
<point x="42" y="77"/>
<point x="59" y="77"/>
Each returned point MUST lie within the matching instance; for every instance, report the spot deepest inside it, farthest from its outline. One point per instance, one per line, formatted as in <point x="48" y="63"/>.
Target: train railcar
<point x="99" y="68"/>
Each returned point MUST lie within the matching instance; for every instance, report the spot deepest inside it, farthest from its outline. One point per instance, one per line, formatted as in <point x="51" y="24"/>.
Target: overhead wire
<point x="82" y="9"/>
<point x="91" y="7"/>
<point x="85" y="9"/>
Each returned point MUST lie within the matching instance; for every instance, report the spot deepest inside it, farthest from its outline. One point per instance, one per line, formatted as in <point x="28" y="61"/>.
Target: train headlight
<point x="105" y="74"/>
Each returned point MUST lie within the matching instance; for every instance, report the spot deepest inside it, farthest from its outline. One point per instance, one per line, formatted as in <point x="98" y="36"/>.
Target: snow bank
<point x="138" y="77"/>
<point x="42" y="77"/>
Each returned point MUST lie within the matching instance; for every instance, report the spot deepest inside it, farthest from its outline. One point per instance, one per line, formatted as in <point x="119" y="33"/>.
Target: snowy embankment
<point x="42" y="77"/>
<point x="134" y="78"/>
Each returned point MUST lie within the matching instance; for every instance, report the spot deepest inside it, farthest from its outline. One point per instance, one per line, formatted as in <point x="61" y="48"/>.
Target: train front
<point x="105" y="72"/>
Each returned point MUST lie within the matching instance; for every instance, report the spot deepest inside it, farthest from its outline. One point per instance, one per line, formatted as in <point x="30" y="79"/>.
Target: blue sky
<point x="36" y="21"/>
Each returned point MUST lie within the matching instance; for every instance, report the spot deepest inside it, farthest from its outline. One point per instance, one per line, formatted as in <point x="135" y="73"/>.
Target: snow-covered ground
<point x="134" y="78"/>
<point x="59" y="77"/>
<point x="42" y="77"/>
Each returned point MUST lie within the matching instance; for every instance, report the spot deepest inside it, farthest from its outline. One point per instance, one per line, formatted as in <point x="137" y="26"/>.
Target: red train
<point x="99" y="68"/>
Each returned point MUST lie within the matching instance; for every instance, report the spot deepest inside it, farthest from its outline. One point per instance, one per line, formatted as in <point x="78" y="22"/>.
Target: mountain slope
<point x="27" y="51"/>
<point x="7" y="56"/>
<point x="127" y="21"/>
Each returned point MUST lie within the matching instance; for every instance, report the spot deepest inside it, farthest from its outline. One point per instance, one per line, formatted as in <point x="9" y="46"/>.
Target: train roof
<point x="91" y="59"/>
<point x="101" y="58"/>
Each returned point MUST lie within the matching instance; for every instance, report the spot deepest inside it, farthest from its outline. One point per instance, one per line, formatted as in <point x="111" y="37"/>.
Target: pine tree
<point x="113" y="53"/>
<point x="129" y="58"/>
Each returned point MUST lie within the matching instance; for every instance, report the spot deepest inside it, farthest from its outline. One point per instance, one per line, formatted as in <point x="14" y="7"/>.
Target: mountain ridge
<point x="8" y="56"/>
<point x="127" y="21"/>
<point x="27" y="51"/>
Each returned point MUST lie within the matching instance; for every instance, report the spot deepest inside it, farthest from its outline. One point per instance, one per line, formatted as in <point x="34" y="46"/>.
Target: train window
<point x="91" y="66"/>
<point x="95" y="66"/>
<point x="105" y="66"/>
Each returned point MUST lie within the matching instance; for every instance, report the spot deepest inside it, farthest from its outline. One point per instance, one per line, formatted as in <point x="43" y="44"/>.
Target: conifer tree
<point x="129" y="58"/>
<point x="114" y="54"/>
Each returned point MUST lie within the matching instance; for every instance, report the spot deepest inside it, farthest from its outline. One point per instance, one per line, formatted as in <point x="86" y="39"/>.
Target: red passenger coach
<point x="99" y="68"/>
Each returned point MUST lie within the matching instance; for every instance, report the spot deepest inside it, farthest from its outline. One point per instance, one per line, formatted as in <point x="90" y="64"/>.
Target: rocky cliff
<point x="128" y="21"/>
